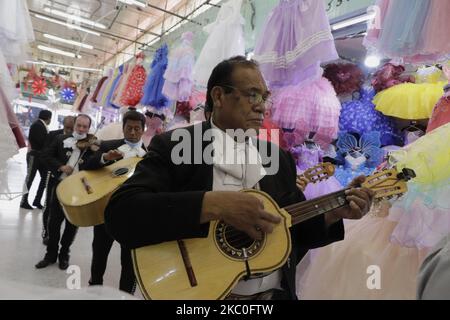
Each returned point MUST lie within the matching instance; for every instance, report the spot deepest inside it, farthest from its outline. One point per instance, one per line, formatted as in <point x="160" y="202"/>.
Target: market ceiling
<point x="103" y="28"/>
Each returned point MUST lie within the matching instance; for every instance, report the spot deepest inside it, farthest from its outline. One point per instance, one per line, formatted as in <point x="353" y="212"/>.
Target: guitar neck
<point x="306" y="210"/>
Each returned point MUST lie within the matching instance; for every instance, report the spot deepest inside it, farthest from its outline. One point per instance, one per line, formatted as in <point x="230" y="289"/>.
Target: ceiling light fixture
<point x="58" y="51"/>
<point x="372" y="61"/>
<point x="352" y="21"/>
<point x="68" y="25"/>
<point x="72" y="42"/>
<point x="138" y="3"/>
<point x="64" y="66"/>
<point x="74" y="17"/>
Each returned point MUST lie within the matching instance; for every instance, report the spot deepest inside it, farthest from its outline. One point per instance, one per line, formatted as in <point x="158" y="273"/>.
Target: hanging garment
<point x="153" y="95"/>
<point x="133" y="90"/>
<point x="422" y="216"/>
<point x="107" y="87"/>
<point x="295" y="40"/>
<point x="178" y="76"/>
<point x="8" y="142"/>
<point x="413" y="31"/>
<point x="6" y="82"/>
<point x="120" y="88"/>
<point x="422" y="213"/>
<point x="225" y="40"/>
<point x="359" y="116"/>
<point x="360" y="156"/>
<point x="107" y="101"/>
<point x="412" y="101"/>
<point x="342" y="270"/>
<point x="395" y="240"/>
<point x="308" y="108"/>
<point x="306" y="158"/>
<point x="16" y="30"/>
<point x="440" y="115"/>
<point x="98" y="88"/>
<point x="154" y="126"/>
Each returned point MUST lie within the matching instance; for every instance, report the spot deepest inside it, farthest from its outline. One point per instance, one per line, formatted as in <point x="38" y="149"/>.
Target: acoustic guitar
<point x="85" y="194"/>
<point x="208" y="268"/>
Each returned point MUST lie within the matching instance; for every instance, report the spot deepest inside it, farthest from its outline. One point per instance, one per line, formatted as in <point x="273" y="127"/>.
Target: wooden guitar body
<point x="85" y="194"/>
<point x="218" y="261"/>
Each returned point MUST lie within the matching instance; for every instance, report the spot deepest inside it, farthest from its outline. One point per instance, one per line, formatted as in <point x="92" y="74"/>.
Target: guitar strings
<point x="298" y="211"/>
<point x="303" y="211"/>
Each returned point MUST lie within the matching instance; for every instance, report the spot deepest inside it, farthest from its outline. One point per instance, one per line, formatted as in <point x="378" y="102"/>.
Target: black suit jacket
<point x="52" y="135"/>
<point x="94" y="163"/>
<point x="163" y="201"/>
<point x="55" y="155"/>
<point x="48" y="141"/>
<point x="37" y="136"/>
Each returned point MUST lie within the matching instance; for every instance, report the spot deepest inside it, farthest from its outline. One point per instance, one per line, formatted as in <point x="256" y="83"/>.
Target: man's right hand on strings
<point x="240" y="210"/>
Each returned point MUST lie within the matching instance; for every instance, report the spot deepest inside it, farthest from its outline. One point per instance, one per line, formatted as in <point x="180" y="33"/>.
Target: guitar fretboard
<point x="306" y="210"/>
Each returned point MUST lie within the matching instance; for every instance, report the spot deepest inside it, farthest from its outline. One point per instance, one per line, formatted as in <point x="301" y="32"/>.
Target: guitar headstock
<point x="320" y="172"/>
<point x="389" y="183"/>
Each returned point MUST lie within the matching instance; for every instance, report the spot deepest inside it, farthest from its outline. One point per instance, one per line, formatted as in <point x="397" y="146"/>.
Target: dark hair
<point x="45" y="115"/>
<point x="221" y="76"/>
<point x="133" y="115"/>
<point x="67" y="118"/>
<point x="85" y="116"/>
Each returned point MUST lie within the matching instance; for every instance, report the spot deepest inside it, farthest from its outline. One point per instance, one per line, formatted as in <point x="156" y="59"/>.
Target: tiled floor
<point x="21" y="248"/>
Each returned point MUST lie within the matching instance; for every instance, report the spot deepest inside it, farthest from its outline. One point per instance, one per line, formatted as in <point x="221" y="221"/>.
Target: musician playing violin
<point x="65" y="156"/>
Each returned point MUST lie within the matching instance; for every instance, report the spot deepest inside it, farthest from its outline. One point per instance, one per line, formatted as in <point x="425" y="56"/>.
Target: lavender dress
<point x="307" y="158"/>
<point x="295" y="40"/>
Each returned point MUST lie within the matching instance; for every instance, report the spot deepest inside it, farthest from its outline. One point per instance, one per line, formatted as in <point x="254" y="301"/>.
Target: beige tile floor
<point x="21" y="248"/>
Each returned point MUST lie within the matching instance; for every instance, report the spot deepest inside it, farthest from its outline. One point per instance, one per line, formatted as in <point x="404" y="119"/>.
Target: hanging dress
<point x="306" y="158"/>
<point x="153" y="95"/>
<point x="392" y="240"/>
<point x="178" y="76"/>
<point x="308" y="108"/>
<point x="225" y="40"/>
<point x="295" y="40"/>
<point x="412" y="101"/>
<point x="133" y="90"/>
<point x="359" y="116"/>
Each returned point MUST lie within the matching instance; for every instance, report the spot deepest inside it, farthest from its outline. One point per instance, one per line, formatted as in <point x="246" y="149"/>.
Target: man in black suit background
<point x="63" y="157"/>
<point x="67" y="129"/>
<point x="36" y="137"/>
<point x="165" y="200"/>
<point x="133" y="126"/>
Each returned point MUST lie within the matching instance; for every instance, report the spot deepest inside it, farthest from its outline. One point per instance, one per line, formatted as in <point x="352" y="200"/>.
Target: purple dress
<point x="359" y="116"/>
<point x="295" y="40"/>
<point x="310" y="157"/>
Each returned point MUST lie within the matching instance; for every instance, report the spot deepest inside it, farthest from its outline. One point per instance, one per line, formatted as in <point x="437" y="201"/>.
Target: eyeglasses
<point x="254" y="98"/>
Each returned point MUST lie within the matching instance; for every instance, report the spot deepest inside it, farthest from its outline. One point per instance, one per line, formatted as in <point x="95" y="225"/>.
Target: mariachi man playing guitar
<point x="165" y="201"/>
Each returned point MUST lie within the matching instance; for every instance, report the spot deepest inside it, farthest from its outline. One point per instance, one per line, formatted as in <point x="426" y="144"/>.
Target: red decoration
<point x="345" y="77"/>
<point x="388" y="76"/>
<point x="39" y="87"/>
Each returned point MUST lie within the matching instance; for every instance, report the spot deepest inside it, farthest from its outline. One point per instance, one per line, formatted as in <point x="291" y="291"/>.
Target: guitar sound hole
<point x="120" y="172"/>
<point x="231" y="242"/>
<point x="237" y="239"/>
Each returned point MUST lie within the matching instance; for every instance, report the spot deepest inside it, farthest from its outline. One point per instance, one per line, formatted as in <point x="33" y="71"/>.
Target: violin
<point x="91" y="141"/>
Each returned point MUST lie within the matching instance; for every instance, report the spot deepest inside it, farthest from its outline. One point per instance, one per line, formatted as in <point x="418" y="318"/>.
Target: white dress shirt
<point x="238" y="166"/>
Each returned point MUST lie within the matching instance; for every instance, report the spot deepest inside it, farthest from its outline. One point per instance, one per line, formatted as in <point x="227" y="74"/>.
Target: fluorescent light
<point x="138" y="3"/>
<point x="372" y="61"/>
<point x="68" y="25"/>
<point x="74" y="17"/>
<point x="352" y="21"/>
<point x="75" y="43"/>
<point x="58" y="51"/>
<point x="64" y="66"/>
